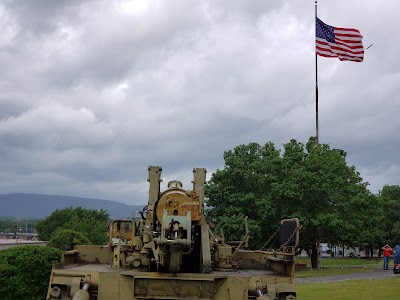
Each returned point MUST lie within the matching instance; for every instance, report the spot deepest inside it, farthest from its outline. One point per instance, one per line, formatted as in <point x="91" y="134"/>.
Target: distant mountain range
<point x="37" y="206"/>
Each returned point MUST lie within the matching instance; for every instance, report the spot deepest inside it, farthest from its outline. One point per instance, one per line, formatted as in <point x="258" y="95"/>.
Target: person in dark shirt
<point x="397" y="253"/>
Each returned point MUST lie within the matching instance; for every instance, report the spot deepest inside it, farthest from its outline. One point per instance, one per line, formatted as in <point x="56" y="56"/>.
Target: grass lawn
<point x="339" y="266"/>
<point x="361" y="289"/>
<point x="331" y="271"/>
<point x="347" y="261"/>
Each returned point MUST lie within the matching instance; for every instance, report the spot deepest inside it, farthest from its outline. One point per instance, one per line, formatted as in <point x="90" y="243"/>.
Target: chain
<point x="269" y="240"/>
<point x="287" y="242"/>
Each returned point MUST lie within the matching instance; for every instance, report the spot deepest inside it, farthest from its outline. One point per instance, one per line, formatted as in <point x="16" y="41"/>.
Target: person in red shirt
<point x="387" y="251"/>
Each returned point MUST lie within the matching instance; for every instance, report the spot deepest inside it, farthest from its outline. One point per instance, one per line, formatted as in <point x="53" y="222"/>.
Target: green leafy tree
<point x="66" y="239"/>
<point x="311" y="182"/>
<point x="330" y="199"/>
<point x="92" y="223"/>
<point x="25" y="272"/>
<point x="390" y="196"/>
<point x="371" y="232"/>
<point x="242" y="189"/>
<point x="391" y="192"/>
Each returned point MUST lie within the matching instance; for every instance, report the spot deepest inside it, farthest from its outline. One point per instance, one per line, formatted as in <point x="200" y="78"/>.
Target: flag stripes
<point x="344" y="43"/>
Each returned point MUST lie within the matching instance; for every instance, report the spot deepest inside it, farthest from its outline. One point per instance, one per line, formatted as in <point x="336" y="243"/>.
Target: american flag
<point x="344" y="43"/>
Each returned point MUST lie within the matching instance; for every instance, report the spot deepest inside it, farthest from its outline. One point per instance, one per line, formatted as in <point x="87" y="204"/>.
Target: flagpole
<point x="316" y="80"/>
<point x="318" y="243"/>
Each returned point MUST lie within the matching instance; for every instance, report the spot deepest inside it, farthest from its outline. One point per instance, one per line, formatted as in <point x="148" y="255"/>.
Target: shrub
<point x="25" y="271"/>
<point x="66" y="239"/>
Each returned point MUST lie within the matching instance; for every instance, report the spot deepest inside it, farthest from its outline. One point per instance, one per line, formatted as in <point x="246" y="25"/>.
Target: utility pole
<point x="16" y="225"/>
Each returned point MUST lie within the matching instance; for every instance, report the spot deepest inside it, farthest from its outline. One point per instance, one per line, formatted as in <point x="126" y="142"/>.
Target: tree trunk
<point x="343" y="245"/>
<point x="314" y="255"/>
<point x="367" y="252"/>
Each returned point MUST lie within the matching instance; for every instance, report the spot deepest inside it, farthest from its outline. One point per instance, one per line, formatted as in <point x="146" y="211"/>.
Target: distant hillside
<point x="38" y="206"/>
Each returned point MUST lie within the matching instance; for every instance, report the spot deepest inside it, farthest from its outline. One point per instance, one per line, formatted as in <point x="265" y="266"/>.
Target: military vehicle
<point x="171" y="253"/>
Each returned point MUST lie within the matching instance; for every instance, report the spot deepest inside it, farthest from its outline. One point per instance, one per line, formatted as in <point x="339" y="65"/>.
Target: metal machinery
<point x="172" y="254"/>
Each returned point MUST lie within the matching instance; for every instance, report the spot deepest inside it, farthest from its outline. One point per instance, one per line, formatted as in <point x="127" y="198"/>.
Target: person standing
<point x="397" y="253"/>
<point x="387" y="250"/>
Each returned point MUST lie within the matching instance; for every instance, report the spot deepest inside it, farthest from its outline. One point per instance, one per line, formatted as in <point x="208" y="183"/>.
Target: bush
<point x="66" y="239"/>
<point x="25" y="272"/>
<point x="92" y="223"/>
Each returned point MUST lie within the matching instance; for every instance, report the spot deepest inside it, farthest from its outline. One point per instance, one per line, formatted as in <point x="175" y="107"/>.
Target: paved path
<point x="376" y="274"/>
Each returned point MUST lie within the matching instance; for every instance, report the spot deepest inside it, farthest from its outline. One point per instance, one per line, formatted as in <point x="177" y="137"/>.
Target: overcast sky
<point x="93" y="92"/>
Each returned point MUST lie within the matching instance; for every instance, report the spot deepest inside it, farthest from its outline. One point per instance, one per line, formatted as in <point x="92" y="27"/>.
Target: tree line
<point x="15" y="225"/>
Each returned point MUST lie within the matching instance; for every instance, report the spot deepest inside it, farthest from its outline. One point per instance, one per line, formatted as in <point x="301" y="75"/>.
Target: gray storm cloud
<point x="93" y="92"/>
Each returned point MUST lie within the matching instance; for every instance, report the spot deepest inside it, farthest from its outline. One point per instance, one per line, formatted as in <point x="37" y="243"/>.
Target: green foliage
<point x="25" y="272"/>
<point x="391" y="192"/>
<point x="390" y="197"/>
<point x="66" y="239"/>
<point x="311" y="182"/>
<point x="242" y="189"/>
<point x="92" y="223"/>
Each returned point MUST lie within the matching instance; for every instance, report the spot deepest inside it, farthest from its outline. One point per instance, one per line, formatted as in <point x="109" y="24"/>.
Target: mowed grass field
<point x="347" y="261"/>
<point x="339" y="266"/>
<point x="332" y="271"/>
<point x="360" y="289"/>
